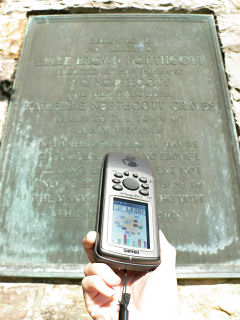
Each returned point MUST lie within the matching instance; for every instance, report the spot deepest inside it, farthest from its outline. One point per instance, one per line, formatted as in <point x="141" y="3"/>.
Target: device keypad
<point x="144" y="192"/>
<point x="132" y="183"/>
<point x="118" y="175"/>
<point x="117" y="187"/>
<point x="116" y="180"/>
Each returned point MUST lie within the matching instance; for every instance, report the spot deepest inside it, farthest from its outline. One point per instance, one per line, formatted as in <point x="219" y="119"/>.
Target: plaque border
<point x="74" y="271"/>
<point x="68" y="271"/>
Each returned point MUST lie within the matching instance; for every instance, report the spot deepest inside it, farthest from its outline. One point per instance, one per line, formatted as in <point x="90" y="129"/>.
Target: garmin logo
<point x="130" y="161"/>
<point x="131" y="251"/>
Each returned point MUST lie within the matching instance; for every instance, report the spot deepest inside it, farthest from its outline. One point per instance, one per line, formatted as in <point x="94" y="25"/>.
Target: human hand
<point x="153" y="294"/>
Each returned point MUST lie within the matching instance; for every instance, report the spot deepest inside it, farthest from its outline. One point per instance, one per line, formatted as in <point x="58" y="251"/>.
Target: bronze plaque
<point x="147" y="84"/>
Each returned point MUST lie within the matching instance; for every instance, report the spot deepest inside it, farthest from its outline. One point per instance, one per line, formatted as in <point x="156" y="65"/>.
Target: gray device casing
<point x="118" y="256"/>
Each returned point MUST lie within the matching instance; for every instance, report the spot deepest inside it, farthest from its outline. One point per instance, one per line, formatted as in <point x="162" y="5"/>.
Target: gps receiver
<point x="127" y="220"/>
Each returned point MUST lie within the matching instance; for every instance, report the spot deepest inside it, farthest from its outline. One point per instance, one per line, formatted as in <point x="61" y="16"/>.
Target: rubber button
<point x="130" y="184"/>
<point x="145" y="186"/>
<point x="135" y="175"/>
<point x="144" y="192"/>
<point x="118" y="175"/>
<point x="142" y="179"/>
<point x="117" y="187"/>
<point x="116" y="180"/>
<point x="126" y="173"/>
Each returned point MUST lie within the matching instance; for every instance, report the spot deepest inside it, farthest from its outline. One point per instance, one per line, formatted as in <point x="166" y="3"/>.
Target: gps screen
<point x="130" y="224"/>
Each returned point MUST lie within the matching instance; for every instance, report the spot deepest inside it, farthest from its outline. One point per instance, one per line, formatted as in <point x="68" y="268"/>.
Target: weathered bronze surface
<point x="151" y="85"/>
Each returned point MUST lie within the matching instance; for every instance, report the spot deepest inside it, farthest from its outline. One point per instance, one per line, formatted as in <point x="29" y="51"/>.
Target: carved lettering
<point x="170" y="60"/>
<point x="192" y="106"/>
<point x="166" y="170"/>
<point x="190" y="170"/>
<point x="119" y="102"/>
<point x="176" y="156"/>
<point x="173" y="145"/>
<point x="98" y="60"/>
<point x="125" y="106"/>
<point x="191" y="198"/>
<point x="196" y="184"/>
<point x="171" y="213"/>
<point x="166" y="199"/>
<point x="120" y="45"/>
<point x="131" y="82"/>
<point x="172" y="184"/>
<point x="53" y="106"/>
<point x="54" y="61"/>
<point x="138" y="130"/>
<point x="167" y="60"/>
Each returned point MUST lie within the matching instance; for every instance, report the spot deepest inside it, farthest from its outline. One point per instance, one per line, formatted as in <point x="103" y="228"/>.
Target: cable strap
<point x="123" y="313"/>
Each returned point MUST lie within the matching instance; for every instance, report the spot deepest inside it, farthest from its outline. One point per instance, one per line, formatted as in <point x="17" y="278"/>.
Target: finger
<point x="92" y="285"/>
<point x="168" y="252"/>
<point x="88" y="244"/>
<point x="104" y="272"/>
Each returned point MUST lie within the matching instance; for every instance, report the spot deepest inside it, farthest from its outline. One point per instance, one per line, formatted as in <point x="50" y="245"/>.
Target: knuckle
<point x="95" y="268"/>
<point x="86" y="269"/>
<point x="84" y="285"/>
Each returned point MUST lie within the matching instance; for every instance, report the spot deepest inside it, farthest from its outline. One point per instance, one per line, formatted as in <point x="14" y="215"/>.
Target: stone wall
<point x="200" y="299"/>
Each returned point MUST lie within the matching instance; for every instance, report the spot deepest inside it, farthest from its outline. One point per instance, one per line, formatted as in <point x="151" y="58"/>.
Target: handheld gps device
<point x="127" y="220"/>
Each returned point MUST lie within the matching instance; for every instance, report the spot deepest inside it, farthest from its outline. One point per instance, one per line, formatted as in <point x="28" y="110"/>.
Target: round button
<point x="117" y="187"/>
<point x="145" y="186"/>
<point x="126" y="173"/>
<point x="135" y="175"/>
<point x="144" y="192"/>
<point x="142" y="179"/>
<point x="118" y="175"/>
<point x="130" y="184"/>
<point x="116" y="180"/>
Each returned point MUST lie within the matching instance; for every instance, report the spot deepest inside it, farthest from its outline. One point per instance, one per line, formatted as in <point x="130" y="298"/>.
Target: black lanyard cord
<point x="123" y="312"/>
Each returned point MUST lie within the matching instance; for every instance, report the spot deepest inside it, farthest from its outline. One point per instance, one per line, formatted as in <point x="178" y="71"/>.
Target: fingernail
<point x="91" y="236"/>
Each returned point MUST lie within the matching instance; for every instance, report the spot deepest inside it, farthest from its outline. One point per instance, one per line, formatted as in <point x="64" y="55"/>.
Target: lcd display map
<point x="130" y="224"/>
